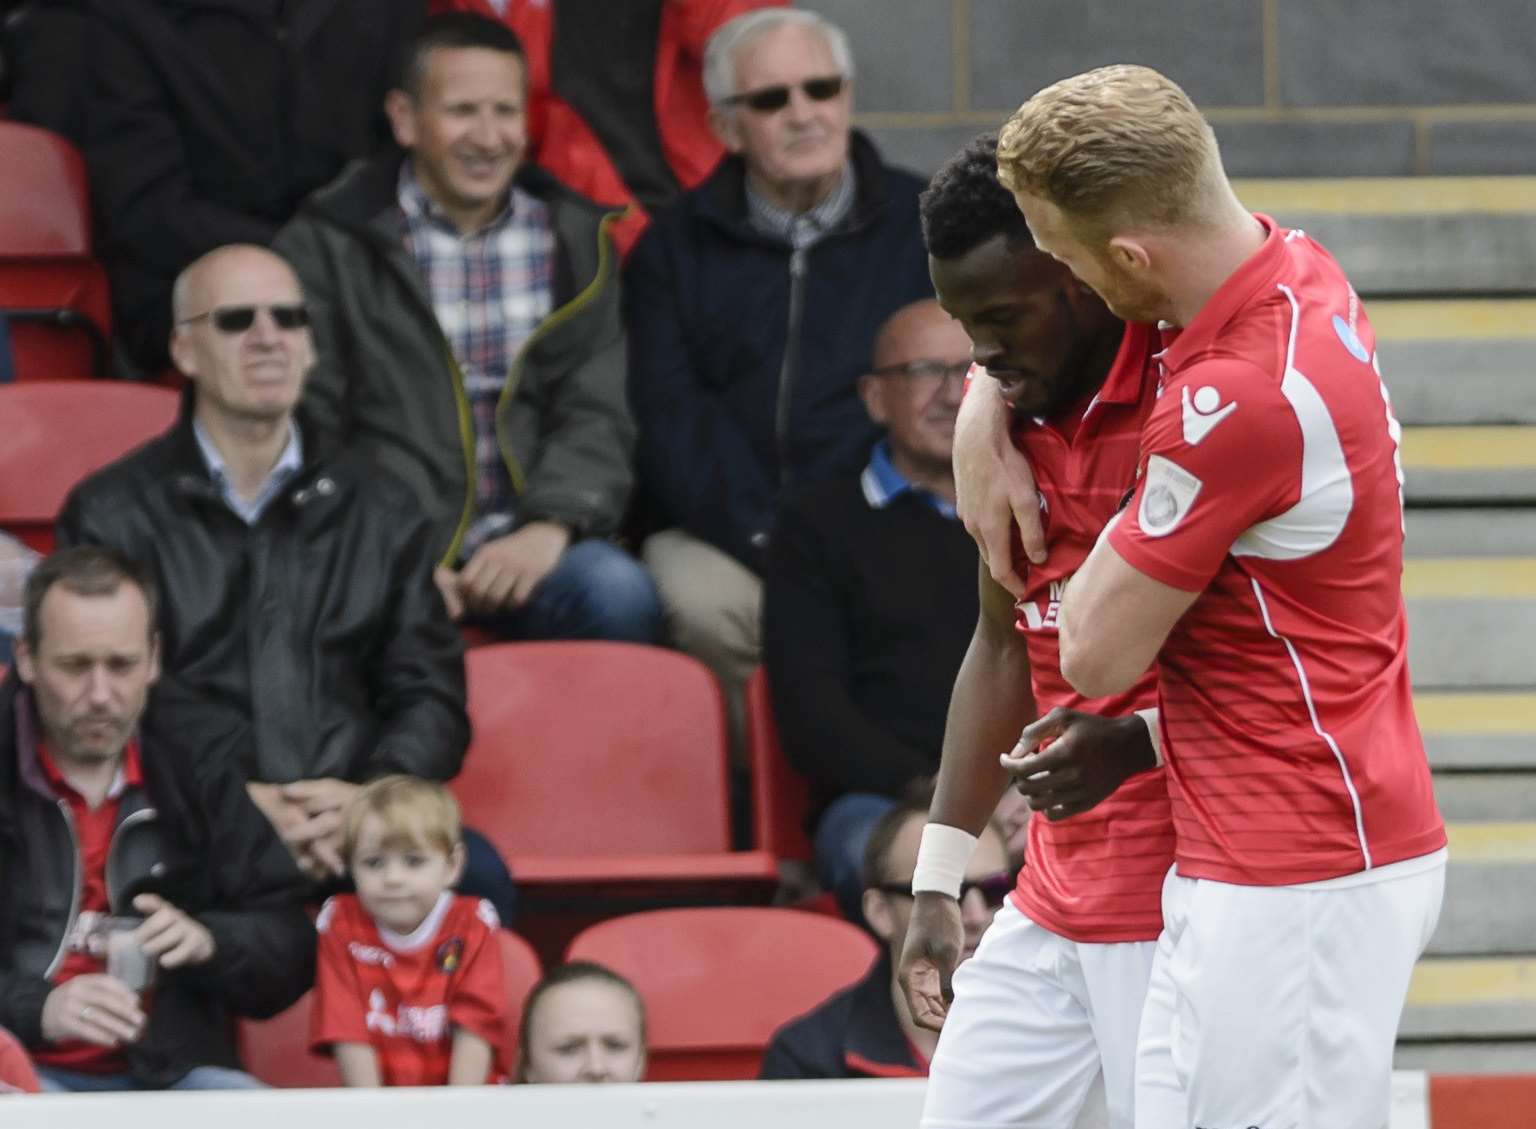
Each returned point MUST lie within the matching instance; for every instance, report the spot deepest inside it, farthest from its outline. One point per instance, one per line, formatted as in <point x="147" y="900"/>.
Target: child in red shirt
<point x="409" y="988"/>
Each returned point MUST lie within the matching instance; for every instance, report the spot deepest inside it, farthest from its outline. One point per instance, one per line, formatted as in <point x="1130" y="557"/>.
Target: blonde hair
<point x="414" y="812"/>
<point x="1114" y="148"/>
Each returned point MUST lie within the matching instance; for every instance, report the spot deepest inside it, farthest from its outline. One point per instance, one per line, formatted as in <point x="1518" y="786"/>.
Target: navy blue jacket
<point x="855" y="1034"/>
<point x="725" y="424"/>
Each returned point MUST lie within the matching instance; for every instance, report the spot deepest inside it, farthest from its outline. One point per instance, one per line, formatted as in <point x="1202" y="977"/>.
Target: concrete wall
<point x="1294" y="87"/>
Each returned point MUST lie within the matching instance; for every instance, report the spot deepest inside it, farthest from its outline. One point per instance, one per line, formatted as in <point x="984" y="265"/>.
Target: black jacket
<point x="190" y="835"/>
<point x="208" y="121"/>
<point x="319" y="626"/>
<point x="725" y="421"/>
<point x="855" y="1034"/>
<point x="385" y="379"/>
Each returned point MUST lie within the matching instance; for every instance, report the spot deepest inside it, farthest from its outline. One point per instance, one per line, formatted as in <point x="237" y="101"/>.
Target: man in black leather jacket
<point x="298" y="580"/>
<point x="100" y="817"/>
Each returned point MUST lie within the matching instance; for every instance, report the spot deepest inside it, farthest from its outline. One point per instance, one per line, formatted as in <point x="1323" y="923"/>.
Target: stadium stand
<point x="57" y="432"/>
<point x="718" y="981"/>
<point x="780" y="799"/>
<point x="277" y="1051"/>
<point x="598" y="770"/>
<point x="55" y="312"/>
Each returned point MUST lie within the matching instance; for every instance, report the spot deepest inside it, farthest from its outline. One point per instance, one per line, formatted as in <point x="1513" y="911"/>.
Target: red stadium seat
<point x="58" y="432"/>
<point x="717" y="982"/>
<point x="599" y="772"/>
<point x="53" y="294"/>
<point x="780" y="798"/>
<point x="277" y="1051"/>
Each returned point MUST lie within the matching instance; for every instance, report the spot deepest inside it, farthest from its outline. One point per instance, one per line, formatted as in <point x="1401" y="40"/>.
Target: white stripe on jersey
<point x="1327" y="492"/>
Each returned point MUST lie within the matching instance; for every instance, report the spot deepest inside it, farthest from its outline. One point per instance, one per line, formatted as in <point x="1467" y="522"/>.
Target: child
<point x="409" y="987"/>
<point x="582" y="1023"/>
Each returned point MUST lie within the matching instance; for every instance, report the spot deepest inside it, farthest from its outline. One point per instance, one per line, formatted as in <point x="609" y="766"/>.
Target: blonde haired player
<point x="409" y="989"/>
<point x="1259" y="563"/>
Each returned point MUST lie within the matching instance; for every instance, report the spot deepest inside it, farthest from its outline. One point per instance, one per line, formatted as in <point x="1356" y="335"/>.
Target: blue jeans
<point x="841" y="836"/>
<point x="56" y="1081"/>
<point x="486" y="876"/>
<point x="597" y="591"/>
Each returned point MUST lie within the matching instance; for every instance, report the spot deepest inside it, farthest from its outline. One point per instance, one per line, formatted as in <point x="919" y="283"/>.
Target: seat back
<point x="55" y="308"/>
<point x="520" y="970"/>
<point x="57" y="433"/>
<point x="585" y="748"/>
<point x="780" y="796"/>
<point x="719" y="981"/>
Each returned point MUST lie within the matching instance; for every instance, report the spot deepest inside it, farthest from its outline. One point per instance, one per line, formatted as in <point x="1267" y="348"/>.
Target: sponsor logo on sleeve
<point x="1169" y="493"/>
<point x="1351" y="340"/>
<point x="1202" y="412"/>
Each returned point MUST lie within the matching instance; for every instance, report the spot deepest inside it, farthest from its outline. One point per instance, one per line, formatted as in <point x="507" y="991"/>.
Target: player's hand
<point x="929" y="957"/>
<point x="94" y="1008"/>
<point x="994" y="486"/>
<point x="170" y="936"/>
<point x="503" y="573"/>
<point x="1087" y="759"/>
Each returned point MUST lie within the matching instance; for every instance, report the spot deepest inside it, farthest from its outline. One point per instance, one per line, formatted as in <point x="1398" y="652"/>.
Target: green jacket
<point x="386" y="382"/>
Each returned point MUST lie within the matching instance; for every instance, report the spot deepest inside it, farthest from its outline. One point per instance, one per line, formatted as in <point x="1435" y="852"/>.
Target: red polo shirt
<point x="93" y="828"/>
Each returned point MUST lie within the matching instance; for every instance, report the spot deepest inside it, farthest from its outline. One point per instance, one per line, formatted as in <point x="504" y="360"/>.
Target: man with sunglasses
<point x="867" y="1031"/>
<point x="752" y="307"/>
<point x="299" y="604"/>
<point x="869" y="600"/>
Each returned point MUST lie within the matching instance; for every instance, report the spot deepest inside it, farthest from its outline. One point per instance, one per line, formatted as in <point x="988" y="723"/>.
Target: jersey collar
<point x="1230" y="297"/>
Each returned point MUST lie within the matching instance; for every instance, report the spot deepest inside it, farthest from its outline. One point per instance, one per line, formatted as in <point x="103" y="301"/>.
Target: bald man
<point x="300" y="609"/>
<point x="870" y="597"/>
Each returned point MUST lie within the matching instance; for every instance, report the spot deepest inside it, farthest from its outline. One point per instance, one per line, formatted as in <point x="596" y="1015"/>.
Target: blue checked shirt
<point x="490" y="291"/>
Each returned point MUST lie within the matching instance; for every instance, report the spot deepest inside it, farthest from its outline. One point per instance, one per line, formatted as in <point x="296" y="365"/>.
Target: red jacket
<point x="564" y="143"/>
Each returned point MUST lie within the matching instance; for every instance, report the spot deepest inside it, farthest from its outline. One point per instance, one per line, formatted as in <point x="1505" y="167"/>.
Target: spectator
<point x="616" y="106"/>
<point x="582" y="1023"/>
<point x="207" y="122"/>
<point x="98" y="820"/>
<point x="16" y="562"/>
<point x="469" y="337"/>
<point x="869" y="598"/>
<point x="410" y="986"/>
<point x="753" y="303"/>
<point x="867" y="1030"/>
<point x="299" y="596"/>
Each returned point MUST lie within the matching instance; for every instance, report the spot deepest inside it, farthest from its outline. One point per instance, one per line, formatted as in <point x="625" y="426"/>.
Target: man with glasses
<point x="869" y="599"/>
<point x="867" y="1031"/>
<point x="299" y="603"/>
<point x="752" y="306"/>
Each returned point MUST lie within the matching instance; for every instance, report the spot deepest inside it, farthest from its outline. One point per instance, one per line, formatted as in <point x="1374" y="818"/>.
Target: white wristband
<point x="942" y="857"/>
<point x="1154" y="730"/>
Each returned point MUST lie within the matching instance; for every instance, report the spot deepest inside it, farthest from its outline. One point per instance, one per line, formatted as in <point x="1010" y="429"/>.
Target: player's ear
<point x="1129" y="253"/>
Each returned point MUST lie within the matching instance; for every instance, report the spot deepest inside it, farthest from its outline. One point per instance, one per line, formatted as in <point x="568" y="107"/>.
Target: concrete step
<point x="1471" y="621"/>
<point x="1487" y="796"/>
<point x="1490" y="891"/>
<point x="1468" y="465"/>
<point x="1485" y="531"/>
<point x="1460" y="361"/>
<point x="1471" y="998"/>
<point x="1414" y="235"/>
<point x="1478" y="731"/>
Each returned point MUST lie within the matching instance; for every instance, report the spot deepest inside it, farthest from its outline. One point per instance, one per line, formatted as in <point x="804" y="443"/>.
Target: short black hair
<point x="965" y="205"/>
<point x="85" y="570"/>
<point x="915" y="800"/>
<point x="450" y="30"/>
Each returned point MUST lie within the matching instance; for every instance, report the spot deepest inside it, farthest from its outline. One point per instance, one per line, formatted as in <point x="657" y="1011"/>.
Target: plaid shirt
<point x="490" y="291"/>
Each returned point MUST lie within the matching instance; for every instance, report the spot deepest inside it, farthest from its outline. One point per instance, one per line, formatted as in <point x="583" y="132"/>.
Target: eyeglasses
<point x="994" y="888"/>
<point x="237" y="319"/>
<point x="926" y="371"/>
<point x="772" y="99"/>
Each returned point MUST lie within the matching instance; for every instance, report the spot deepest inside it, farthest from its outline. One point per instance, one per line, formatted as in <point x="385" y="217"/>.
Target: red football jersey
<point x="1271" y="483"/>
<point x="1097" y="876"/>
<point x="405" y="996"/>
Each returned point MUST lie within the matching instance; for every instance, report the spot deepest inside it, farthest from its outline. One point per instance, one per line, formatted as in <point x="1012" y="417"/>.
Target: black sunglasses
<point x="994" y="888"/>
<point x="237" y="319"/>
<point x="771" y="99"/>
